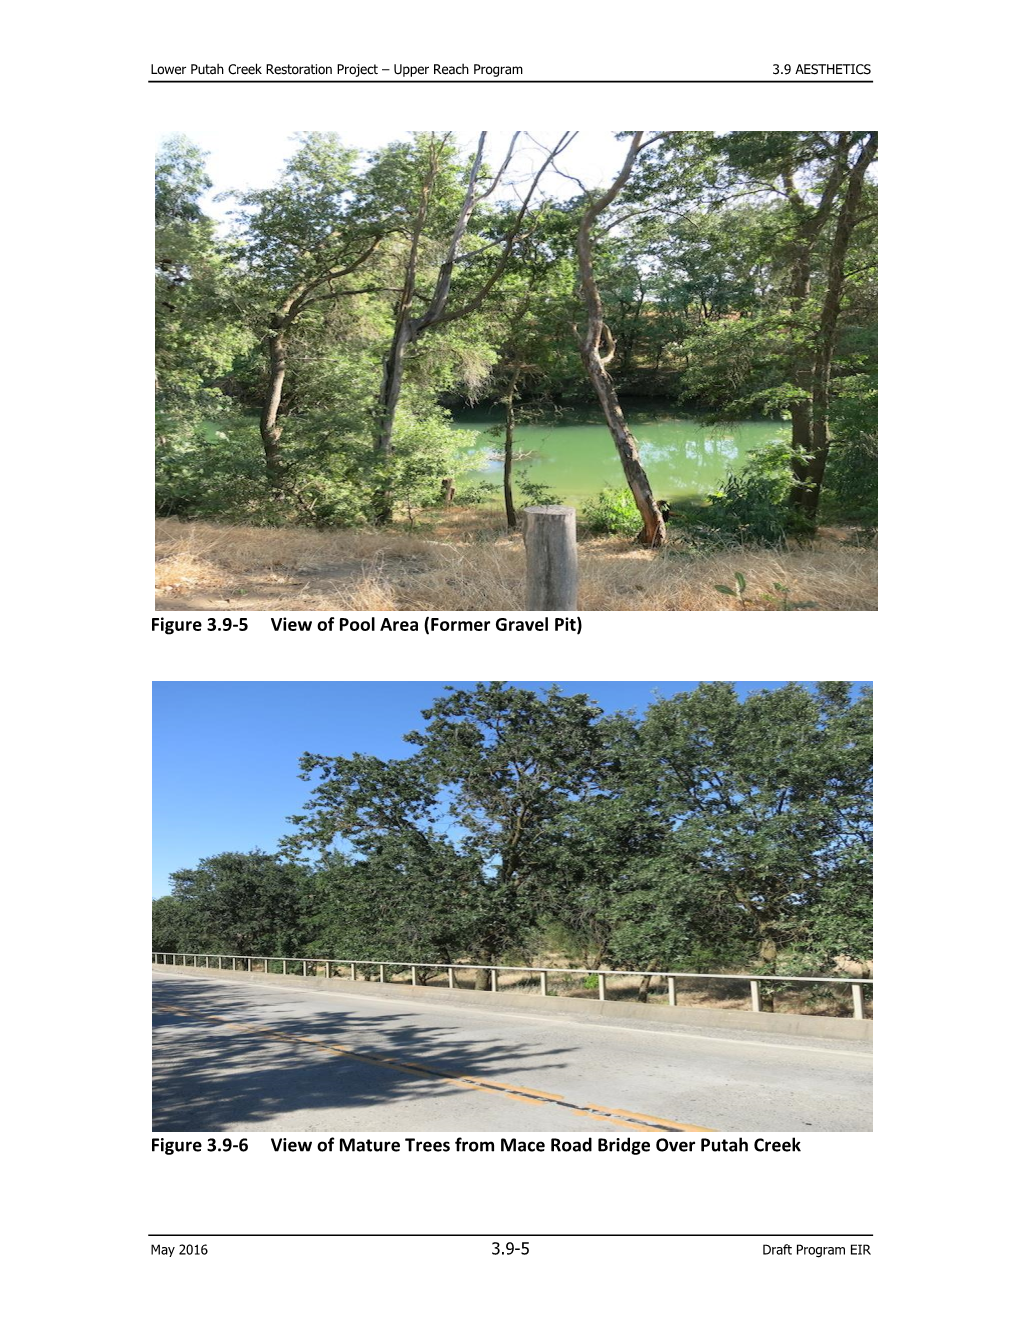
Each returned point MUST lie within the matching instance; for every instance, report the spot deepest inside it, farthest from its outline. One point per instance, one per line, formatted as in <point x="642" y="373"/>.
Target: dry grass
<point x="468" y="563"/>
<point x="730" y="995"/>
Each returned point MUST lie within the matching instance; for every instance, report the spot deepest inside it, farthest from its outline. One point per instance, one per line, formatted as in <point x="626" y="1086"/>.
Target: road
<point x="234" y="1056"/>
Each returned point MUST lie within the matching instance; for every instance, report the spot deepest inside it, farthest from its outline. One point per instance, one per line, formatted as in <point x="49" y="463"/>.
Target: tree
<point x="244" y="903"/>
<point x="765" y="804"/>
<point x="300" y="241"/>
<point x="530" y="319"/>
<point x="808" y="493"/>
<point x="597" y="350"/>
<point x="393" y="904"/>
<point x="433" y="152"/>
<point x="174" y="926"/>
<point x="196" y="336"/>
<point x="817" y="176"/>
<point x="498" y="763"/>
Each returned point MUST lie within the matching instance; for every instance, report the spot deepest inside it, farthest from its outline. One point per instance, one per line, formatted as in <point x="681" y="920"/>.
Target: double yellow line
<point x="621" y="1118"/>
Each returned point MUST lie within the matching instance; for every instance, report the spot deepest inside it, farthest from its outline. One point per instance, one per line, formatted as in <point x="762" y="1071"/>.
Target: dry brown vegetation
<point x="813" y="1001"/>
<point x="469" y="563"/>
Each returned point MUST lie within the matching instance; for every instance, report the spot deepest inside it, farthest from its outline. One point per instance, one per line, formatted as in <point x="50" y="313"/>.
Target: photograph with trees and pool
<point x="376" y="352"/>
<point x="410" y="906"/>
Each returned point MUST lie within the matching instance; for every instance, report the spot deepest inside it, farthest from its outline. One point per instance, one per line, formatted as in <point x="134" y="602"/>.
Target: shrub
<point x="218" y="472"/>
<point x="529" y="493"/>
<point x="611" y="513"/>
<point x="753" y="505"/>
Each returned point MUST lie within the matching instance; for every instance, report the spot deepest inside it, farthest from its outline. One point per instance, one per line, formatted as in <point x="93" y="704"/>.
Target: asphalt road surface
<point x="230" y="1056"/>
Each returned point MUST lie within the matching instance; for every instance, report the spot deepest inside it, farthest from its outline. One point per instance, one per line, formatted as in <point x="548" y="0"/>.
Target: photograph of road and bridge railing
<point x="463" y="370"/>
<point x="409" y="906"/>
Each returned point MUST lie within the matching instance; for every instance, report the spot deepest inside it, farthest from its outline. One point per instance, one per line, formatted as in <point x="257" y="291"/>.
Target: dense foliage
<point x="707" y="833"/>
<point x="307" y="356"/>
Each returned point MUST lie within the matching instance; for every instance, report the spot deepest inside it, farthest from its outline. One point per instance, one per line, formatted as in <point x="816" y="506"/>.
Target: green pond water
<point x="573" y="453"/>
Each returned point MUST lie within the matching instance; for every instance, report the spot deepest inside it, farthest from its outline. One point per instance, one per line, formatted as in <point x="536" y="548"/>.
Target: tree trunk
<point x="269" y="420"/>
<point x="807" y="497"/>
<point x="768" y="952"/>
<point x="800" y="409"/>
<point x="392" y="383"/>
<point x="653" y="531"/>
<point x="508" y="455"/>
<point x="389" y="397"/>
<point x="481" y="979"/>
<point x="809" y="224"/>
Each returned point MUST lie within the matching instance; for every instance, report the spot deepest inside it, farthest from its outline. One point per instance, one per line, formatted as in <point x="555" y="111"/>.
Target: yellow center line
<point x="522" y="1094"/>
<point x="651" y="1118"/>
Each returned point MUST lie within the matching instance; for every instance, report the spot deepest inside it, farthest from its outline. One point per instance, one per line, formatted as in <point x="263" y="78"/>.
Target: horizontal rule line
<point x="528" y="1236"/>
<point x="518" y="82"/>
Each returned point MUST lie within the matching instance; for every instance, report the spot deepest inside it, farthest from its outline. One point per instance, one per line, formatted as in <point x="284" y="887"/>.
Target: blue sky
<point x="225" y="754"/>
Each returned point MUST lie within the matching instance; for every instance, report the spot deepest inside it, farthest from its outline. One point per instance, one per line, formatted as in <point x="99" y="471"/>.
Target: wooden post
<point x="550" y="536"/>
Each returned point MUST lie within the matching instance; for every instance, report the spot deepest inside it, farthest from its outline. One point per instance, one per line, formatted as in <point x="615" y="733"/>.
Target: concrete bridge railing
<point x="329" y="968"/>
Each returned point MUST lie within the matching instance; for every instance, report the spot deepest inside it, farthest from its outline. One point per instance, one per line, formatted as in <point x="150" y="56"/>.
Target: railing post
<point x="550" y="538"/>
<point x="414" y="974"/>
<point x="451" y="978"/>
<point x="544" y="980"/>
<point x="495" y="981"/>
<point x="671" y="983"/>
<point x="219" y="961"/>
<point x="755" y="998"/>
<point x="382" y="974"/>
<point x="858" y="993"/>
<point x="354" y="976"/>
<point x="304" y="966"/>
<point x="602" y="985"/>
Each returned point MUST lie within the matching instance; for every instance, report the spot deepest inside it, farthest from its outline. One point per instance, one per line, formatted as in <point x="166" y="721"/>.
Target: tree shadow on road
<point x="210" y="1075"/>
